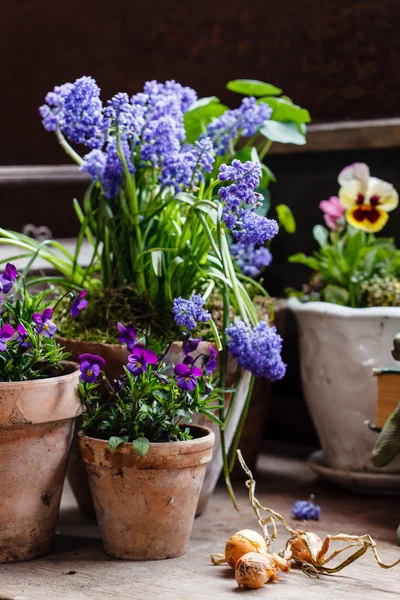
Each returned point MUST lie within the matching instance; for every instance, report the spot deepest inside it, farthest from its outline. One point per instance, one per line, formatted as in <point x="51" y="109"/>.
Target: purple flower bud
<point x="127" y="335"/>
<point x="8" y="277"/>
<point x="191" y="345"/>
<point x="78" y="303"/>
<point x="6" y="333"/>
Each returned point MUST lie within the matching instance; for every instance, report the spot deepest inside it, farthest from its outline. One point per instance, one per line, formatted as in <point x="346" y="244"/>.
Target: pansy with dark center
<point x="187" y="374"/>
<point x="90" y="367"/>
<point x="23" y="339"/>
<point x="8" y="277"/>
<point x="44" y="323"/>
<point x="77" y="304"/>
<point x="6" y="333"/>
<point x="127" y="335"/>
<point x="139" y="359"/>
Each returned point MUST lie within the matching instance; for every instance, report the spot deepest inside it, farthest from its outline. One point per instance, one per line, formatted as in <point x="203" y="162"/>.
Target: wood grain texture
<point x="78" y="569"/>
<point x="338" y="59"/>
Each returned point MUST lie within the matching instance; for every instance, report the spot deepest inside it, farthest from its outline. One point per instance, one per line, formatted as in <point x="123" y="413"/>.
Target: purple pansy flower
<point x="23" y="339"/>
<point x="90" y="366"/>
<point x="139" y="359"/>
<point x="8" y="277"/>
<point x="191" y="345"/>
<point x="127" y="335"/>
<point x="78" y="303"/>
<point x="306" y="510"/>
<point x="44" y="323"/>
<point x="186" y="374"/>
<point x="211" y="360"/>
<point x="6" y="333"/>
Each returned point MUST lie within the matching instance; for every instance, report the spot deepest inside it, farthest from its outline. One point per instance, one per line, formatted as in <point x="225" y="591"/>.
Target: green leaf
<point x="285" y="110"/>
<point x="253" y="87"/>
<point x="321" y="235"/>
<point x="203" y="102"/>
<point x="308" y="261"/>
<point x="157" y="260"/>
<point x="286" y="218"/>
<point x="141" y="446"/>
<point x="336" y="295"/>
<point x="285" y="133"/>
<point x="197" y="119"/>
<point x="116" y="441"/>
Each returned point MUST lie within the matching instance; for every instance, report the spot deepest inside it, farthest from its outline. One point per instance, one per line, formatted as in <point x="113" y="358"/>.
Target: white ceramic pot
<point x="339" y="347"/>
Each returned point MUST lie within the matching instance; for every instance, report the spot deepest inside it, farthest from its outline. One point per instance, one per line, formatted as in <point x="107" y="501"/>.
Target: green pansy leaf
<point x="285" y="133"/>
<point x="336" y="295"/>
<point x="285" y="110"/>
<point x="308" y="261"/>
<point x="141" y="446"/>
<point x="116" y="441"/>
<point x="321" y="235"/>
<point x="253" y="87"/>
<point x="286" y="218"/>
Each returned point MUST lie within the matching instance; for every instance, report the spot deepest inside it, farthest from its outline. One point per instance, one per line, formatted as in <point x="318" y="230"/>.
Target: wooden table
<point x="78" y="569"/>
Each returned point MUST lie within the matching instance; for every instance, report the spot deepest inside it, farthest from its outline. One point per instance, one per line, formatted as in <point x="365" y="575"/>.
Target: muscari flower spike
<point x="6" y="333"/>
<point x="78" y="303"/>
<point x="90" y="367"/>
<point x="306" y="510"/>
<point x="139" y="359"/>
<point x="187" y="374"/>
<point x="44" y="323"/>
<point x="367" y="199"/>
<point x="8" y="277"/>
<point x="188" y="313"/>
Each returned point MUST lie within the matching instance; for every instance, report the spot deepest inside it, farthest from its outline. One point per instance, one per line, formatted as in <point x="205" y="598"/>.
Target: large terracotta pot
<point x="145" y="506"/>
<point x="36" y="426"/>
<point x="339" y="348"/>
<point x="117" y="357"/>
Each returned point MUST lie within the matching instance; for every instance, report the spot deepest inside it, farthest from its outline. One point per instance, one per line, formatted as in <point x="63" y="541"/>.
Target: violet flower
<point x="6" y="333"/>
<point x="211" y="360"/>
<point x="139" y="359"/>
<point x="78" y="303"/>
<point x="23" y="339"/>
<point x="90" y="367"/>
<point x="187" y="373"/>
<point x="44" y="323"/>
<point x="8" y="277"/>
<point x="306" y="510"/>
<point x="191" y="345"/>
<point x="127" y="335"/>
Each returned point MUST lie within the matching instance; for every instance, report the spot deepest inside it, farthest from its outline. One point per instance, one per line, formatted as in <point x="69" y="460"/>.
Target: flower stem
<point x="68" y="149"/>
<point x="265" y="149"/>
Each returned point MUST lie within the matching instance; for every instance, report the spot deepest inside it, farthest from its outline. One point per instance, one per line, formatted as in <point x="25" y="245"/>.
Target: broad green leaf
<point x="308" y="261"/>
<point x="157" y="260"/>
<point x="141" y="446"/>
<point x="285" y="110"/>
<point x="321" y="235"/>
<point x="336" y="295"/>
<point x="253" y="87"/>
<point x="116" y="441"/>
<point x="286" y="218"/>
<point x="285" y="133"/>
<point x="203" y="102"/>
<point x="196" y="120"/>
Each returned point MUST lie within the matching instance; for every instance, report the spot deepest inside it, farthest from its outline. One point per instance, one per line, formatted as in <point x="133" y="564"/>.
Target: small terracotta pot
<point x="36" y="425"/>
<point x="145" y="506"/>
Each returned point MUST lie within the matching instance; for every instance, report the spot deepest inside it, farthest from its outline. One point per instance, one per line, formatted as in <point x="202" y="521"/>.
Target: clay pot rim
<point x="92" y="343"/>
<point x="202" y="443"/>
<point x="46" y="380"/>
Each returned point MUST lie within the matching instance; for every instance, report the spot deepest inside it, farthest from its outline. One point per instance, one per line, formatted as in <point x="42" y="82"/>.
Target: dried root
<point x="305" y="547"/>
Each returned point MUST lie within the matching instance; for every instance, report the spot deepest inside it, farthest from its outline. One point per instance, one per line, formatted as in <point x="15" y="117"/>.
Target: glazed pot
<point x="116" y="356"/>
<point x="339" y="348"/>
<point x="36" y="425"/>
<point x="145" y="506"/>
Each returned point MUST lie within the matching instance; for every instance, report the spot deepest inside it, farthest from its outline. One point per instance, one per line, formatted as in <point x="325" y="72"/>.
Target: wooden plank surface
<point x="78" y="569"/>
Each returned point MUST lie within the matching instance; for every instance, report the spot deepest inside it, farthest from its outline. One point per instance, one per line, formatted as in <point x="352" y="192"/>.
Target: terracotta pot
<point x="339" y="347"/>
<point x="116" y="356"/>
<point x="388" y="394"/>
<point x="145" y="506"/>
<point x="36" y="426"/>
